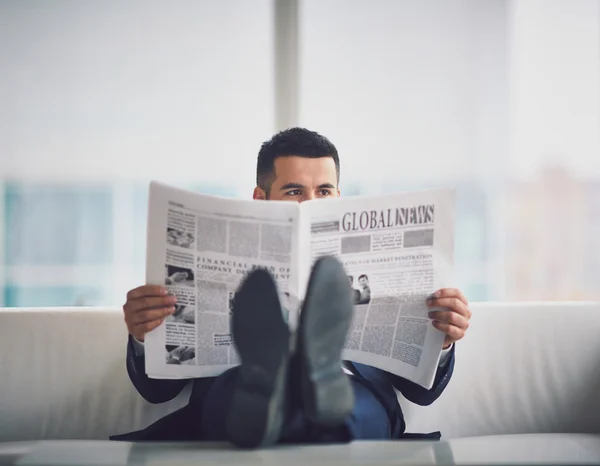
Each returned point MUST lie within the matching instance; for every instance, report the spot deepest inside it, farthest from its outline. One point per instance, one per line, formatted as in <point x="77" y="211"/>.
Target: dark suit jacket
<point x="184" y="423"/>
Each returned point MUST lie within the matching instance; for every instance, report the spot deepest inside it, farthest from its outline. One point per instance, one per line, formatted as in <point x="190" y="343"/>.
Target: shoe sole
<point x="261" y="337"/>
<point x="325" y="320"/>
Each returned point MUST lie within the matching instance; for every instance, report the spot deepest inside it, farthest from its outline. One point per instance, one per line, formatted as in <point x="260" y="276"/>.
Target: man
<point x="288" y="388"/>
<point x="365" y="289"/>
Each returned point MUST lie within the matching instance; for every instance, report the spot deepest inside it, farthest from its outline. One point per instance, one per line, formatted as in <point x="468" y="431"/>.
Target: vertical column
<point x="286" y="17"/>
<point x="3" y="258"/>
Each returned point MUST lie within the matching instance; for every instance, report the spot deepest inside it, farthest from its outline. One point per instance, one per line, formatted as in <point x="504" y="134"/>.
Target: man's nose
<point x="308" y="196"/>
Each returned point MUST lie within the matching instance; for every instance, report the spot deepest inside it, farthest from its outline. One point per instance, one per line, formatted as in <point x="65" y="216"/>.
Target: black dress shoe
<point x="262" y="339"/>
<point x="325" y="320"/>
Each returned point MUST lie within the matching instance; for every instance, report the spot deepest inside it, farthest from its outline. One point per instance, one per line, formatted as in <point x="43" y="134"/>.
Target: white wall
<point x="410" y="91"/>
<point x="103" y="90"/>
<point x="555" y="85"/>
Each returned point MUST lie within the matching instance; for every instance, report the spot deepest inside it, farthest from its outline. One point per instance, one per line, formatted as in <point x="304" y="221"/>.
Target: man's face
<point x="363" y="281"/>
<point x="302" y="179"/>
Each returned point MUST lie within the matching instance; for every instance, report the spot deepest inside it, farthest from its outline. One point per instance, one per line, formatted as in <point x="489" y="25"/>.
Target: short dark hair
<point x="363" y="276"/>
<point x="300" y="142"/>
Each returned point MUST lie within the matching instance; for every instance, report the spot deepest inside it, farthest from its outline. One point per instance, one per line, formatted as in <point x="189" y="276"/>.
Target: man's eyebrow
<point x="292" y="186"/>
<point x="300" y="186"/>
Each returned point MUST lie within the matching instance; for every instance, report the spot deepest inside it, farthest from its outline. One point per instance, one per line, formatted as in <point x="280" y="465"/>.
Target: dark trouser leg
<point x="215" y="406"/>
<point x="368" y="419"/>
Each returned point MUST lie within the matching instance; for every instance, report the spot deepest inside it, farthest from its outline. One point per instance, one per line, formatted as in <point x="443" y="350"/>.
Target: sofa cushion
<point x="521" y="368"/>
<point x="63" y="375"/>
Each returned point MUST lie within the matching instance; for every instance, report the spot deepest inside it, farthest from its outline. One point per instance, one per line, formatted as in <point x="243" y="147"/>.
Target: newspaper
<point x="396" y="249"/>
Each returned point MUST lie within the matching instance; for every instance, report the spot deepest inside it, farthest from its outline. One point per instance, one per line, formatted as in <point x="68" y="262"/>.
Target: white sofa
<point x="523" y="368"/>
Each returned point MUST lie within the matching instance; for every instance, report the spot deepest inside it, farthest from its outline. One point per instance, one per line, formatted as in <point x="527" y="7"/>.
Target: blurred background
<point x="498" y="98"/>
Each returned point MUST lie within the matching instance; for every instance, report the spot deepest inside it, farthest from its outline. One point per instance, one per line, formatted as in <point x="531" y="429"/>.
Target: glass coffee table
<point x="504" y="449"/>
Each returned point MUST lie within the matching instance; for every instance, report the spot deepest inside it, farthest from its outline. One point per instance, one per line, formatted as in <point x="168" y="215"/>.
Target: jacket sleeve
<point x="423" y="396"/>
<point x="153" y="390"/>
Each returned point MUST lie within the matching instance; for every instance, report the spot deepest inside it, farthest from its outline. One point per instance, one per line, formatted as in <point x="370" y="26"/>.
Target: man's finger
<point x="147" y="327"/>
<point x="153" y="314"/>
<point x="450" y="317"/>
<point x="146" y="290"/>
<point x="450" y="330"/>
<point x="143" y="304"/>
<point x="451" y="293"/>
<point x="451" y="303"/>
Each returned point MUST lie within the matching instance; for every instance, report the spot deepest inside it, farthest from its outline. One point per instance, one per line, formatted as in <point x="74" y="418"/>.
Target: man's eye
<point x="293" y="192"/>
<point x="325" y="192"/>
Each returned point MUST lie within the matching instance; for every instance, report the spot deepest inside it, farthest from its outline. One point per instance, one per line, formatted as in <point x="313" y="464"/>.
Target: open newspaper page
<point x="201" y="247"/>
<point x="397" y="250"/>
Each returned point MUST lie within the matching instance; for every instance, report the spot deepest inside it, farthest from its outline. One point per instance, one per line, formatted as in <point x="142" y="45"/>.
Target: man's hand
<point x="454" y="320"/>
<point x="146" y="308"/>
